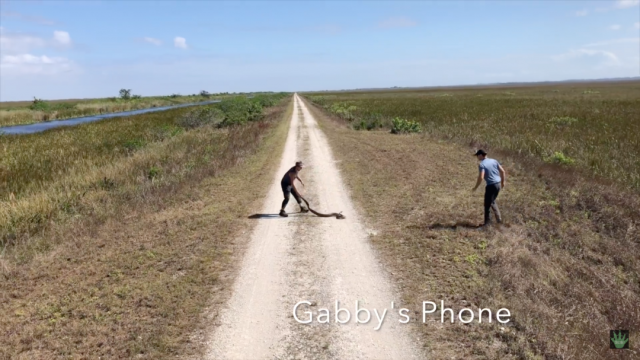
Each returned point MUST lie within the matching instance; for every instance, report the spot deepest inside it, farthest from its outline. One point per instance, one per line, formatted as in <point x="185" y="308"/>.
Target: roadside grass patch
<point x="40" y="171"/>
<point x="592" y="127"/>
<point x="403" y="126"/>
<point x="559" y="158"/>
<point x="563" y="121"/>
<point x="567" y="233"/>
<point x="125" y="267"/>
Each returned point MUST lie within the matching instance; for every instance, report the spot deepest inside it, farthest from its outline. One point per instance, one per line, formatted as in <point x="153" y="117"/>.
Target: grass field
<point x="591" y="126"/>
<point x="50" y="175"/>
<point x="119" y="241"/>
<point x="28" y="112"/>
<point x="567" y="261"/>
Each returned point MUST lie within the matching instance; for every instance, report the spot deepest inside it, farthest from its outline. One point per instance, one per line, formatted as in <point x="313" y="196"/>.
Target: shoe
<point x="283" y="213"/>
<point x="304" y="210"/>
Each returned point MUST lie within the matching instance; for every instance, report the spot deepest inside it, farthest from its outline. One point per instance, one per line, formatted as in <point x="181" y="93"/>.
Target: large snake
<point x="337" y="215"/>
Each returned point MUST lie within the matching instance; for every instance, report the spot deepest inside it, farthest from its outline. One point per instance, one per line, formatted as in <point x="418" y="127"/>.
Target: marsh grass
<point x="566" y="263"/>
<point x="56" y="174"/>
<point x="23" y="112"/>
<point x="129" y="269"/>
<point x="596" y="125"/>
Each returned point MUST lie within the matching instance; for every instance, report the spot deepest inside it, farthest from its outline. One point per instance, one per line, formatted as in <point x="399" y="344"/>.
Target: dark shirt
<point x="286" y="180"/>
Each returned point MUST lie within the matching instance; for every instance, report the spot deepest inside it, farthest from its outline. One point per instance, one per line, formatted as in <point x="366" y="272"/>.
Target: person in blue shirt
<point x="494" y="175"/>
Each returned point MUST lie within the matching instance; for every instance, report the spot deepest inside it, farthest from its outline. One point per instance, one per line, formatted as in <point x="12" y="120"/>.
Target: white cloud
<point x="615" y="27"/>
<point x="152" y="41"/>
<point x="17" y="58"/>
<point x="397" y="22"/>
<point x="12" y="43"/>
<point x="180" y="42"/>
<point x="612" y="59"/>
<point x="18" y="43"/>
<point x="62" y="38"/>
<point x="622" y="4"/>
<point x="32" y="64"/>
<point x="582" y="12"/>
<point x="615" y="41"/>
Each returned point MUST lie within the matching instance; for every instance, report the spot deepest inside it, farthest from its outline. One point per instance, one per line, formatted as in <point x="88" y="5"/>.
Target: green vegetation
<point x="569" y="241"/>
<point x="400" y="126"/>
<point x="557" y="124"/>
<point x="39" y="110"/>
<point x="40" y="173"/>
<point x="130" y="242"/>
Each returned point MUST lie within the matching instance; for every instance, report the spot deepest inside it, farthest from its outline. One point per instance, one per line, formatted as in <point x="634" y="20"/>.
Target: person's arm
<point x="297" y="177"/>
<point x="503" y="176"/>
<point x="480" y="178"/>
<point x="293" y="183"/>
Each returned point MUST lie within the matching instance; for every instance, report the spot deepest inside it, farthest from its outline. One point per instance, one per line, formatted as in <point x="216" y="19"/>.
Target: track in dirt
<point x="309" y="258"/>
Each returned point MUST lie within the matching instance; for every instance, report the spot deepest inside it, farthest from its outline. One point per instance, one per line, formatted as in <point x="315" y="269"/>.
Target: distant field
<point x="113" y="238"/>
<point x="565" y="262"/>
<point x="28" y="112"/>
<point x="45" y="175"/>
<point x="592" y="126"/>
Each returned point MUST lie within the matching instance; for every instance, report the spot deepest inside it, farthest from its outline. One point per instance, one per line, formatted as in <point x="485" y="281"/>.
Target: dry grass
<point x="594" y="131"/>
<point x="129" y="273"/>
<point x="19" y="113"/>
<point x="566" y="263"/>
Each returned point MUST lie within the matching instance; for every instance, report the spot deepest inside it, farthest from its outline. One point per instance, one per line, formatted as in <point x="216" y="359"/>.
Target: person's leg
<point x="487" y="204"/>
<point x="285" y="201"/>
<point x="286" y="193"/>
<point x="494" y="204"/>
<point x="299" y="200"/>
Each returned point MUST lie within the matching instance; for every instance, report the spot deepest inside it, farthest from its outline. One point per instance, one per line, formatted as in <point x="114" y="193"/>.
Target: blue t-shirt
<point x="491" y="171"/>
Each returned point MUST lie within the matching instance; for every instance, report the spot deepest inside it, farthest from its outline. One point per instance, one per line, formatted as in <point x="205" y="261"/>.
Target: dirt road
<point x="320" y="260"/>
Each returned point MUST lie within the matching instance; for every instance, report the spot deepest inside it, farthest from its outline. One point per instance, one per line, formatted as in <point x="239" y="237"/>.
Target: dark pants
<point x="490" y="195"/>
<point x="287" y="191"/>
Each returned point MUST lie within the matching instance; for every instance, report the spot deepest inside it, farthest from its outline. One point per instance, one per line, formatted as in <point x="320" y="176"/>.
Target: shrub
<point x="153" y="173"/>
<point x="401" y="126"/>
<point x="344" y="110"/>
<point x="125" y="94"/>
<point x="206" y="115"/>
<point x="369" y="122"/>
<point x="39" y="105"/>
<point x="559" y="158"/>
<point x="562" y="121"/>
<point x="134" y="144"/>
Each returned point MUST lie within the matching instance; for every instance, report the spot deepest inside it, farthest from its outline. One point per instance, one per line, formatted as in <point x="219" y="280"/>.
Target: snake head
<point x="340" y="216"/>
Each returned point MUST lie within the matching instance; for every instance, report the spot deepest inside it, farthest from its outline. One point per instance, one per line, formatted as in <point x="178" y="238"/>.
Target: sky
<point x="87" y="49"/>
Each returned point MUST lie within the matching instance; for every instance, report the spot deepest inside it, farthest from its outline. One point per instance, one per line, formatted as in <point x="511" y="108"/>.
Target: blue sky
<point x="84" y="49"/>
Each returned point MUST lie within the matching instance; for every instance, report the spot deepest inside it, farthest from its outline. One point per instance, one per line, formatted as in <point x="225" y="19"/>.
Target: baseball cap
<point x="299" y="163"/>
<point x="480" y="152"/>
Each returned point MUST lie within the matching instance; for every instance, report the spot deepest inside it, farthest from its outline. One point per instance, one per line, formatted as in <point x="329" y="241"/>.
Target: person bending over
<point x="288" y="187"/>
<point x="492" y="172"/>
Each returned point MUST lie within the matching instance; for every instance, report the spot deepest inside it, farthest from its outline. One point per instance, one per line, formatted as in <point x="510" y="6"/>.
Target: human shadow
<point x="272" y="216"/>
<point x="454" y="226"/>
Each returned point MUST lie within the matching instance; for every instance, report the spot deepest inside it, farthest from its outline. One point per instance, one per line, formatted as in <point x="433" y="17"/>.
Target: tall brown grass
<point x="592" y="126"/>
<point x="566" y="263"/>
